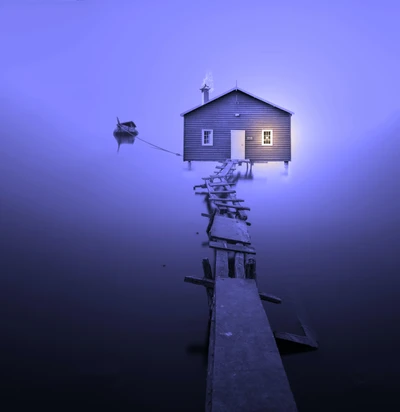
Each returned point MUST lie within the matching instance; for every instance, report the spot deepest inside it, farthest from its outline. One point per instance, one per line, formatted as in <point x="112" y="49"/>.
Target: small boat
<point x="125" y="129"/>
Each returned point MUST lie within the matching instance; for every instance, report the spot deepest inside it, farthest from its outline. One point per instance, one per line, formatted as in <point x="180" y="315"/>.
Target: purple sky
<point x="335" y="64"/>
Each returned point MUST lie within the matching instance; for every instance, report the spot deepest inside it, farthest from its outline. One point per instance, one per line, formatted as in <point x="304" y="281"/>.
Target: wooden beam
<point x="226" y="199"/>
<point x="222" y="184"/>
<point x="210" y="283"/>
<point x="296" y="339"/>
<point x="232" y="206"/>
<point x="203" y="186"/>
<point x="207" y="269"/>
<point x="210" y="223"/>
<point x="221" y="264"/>
<point x="270" y="298"/>
<point x="209" y="276"/>
<point x="200" y="281"/>
<point x="239" y="265"/>
<point x="219" y="192"/>
<point x="232" y="247"/>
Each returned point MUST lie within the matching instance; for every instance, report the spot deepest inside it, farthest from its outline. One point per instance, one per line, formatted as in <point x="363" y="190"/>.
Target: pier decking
<point x="245" y="367"/>
<point x="245" y="371"/>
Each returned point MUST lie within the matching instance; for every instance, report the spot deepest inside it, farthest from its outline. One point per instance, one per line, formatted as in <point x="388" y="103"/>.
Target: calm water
<point x="95" y="245"/>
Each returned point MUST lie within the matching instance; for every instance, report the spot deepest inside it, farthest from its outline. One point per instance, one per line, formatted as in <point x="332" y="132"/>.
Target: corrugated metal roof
<point x="240" y="90"/>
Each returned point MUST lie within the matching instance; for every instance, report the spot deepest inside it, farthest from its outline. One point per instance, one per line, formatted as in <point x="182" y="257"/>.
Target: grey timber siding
<point x="255" y="116"/>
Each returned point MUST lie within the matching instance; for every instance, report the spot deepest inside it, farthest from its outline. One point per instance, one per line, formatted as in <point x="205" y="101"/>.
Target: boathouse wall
<point x="254" y="116"/>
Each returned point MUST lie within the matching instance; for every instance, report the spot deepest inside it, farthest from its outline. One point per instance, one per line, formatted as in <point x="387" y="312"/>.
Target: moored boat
<point x="125" y="129"/>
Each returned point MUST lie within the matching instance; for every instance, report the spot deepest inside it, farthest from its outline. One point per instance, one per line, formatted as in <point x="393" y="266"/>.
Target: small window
<point x="267" y="138"/>
<point x="207" y="137"/>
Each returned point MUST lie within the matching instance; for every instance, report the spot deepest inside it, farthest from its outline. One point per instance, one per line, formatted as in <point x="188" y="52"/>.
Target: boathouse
<point x="236" y="125"/>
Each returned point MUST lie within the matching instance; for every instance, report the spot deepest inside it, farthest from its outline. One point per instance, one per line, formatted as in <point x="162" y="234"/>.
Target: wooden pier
<point x="245" y="371"/>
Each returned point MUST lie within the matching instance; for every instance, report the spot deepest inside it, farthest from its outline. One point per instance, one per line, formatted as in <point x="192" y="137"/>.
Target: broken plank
<point x="229" y="229"/>
<point x="232" y="247"/>
<point x="270" y="298"/>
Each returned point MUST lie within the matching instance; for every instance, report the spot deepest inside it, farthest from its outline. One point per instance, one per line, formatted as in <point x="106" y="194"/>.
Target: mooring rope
<point x="151" y="144"/>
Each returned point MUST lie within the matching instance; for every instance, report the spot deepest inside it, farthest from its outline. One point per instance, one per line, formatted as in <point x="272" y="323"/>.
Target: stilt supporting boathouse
<point x="245" y="370"/>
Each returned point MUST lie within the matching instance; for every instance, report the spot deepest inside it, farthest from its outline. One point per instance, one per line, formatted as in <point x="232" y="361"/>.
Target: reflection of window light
<point x="267" y="138"/>
<point x="207" y="137"/>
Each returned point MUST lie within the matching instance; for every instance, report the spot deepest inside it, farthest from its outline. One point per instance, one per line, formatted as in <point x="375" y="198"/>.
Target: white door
<point x="238" y="144"/>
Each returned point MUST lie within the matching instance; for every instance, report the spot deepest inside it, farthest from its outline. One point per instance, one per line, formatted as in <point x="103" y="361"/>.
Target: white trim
<point x="262" y="137"/>
<point x="240" y="90"/>
<point x="211" y="137"/>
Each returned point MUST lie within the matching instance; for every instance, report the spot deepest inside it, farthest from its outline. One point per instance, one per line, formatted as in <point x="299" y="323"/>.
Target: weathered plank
<point x="229" y="229"/>
<point x="221" y="263"/>
<point x="228" y="168"/>
<point x="297" y="339"/>
<point x="203" y="186"/>
<point x="270" y="298"/>
<point x="232" y="247"/>
<point x="222" y="192"/>
<point x="238" y="207"/>
<point x="227" y="199"/>
<point x="207" y="269"/>
<point x="211" y="221"/>
<point x="239" y="265"/>
<point x="209" y="276"/>
<point x="246" y="370"/>
<point x="210" y="363"/>
<point x="222" y="184"/>
<point x="208" y="283"/>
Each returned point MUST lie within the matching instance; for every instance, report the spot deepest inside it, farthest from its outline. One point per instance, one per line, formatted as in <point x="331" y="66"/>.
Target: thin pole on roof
<point x="236" y="92"/>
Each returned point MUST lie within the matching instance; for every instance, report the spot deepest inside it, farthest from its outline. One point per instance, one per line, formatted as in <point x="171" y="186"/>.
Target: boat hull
<point x="128" y="131"/>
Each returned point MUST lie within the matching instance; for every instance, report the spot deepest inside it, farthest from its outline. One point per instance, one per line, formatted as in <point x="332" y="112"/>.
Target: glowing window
<point x="207" y="137"/>
<point x="267" y="138"/>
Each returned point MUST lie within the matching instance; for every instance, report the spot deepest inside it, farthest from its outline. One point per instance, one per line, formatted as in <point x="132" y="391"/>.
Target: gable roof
<point x="240" y="90"/>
